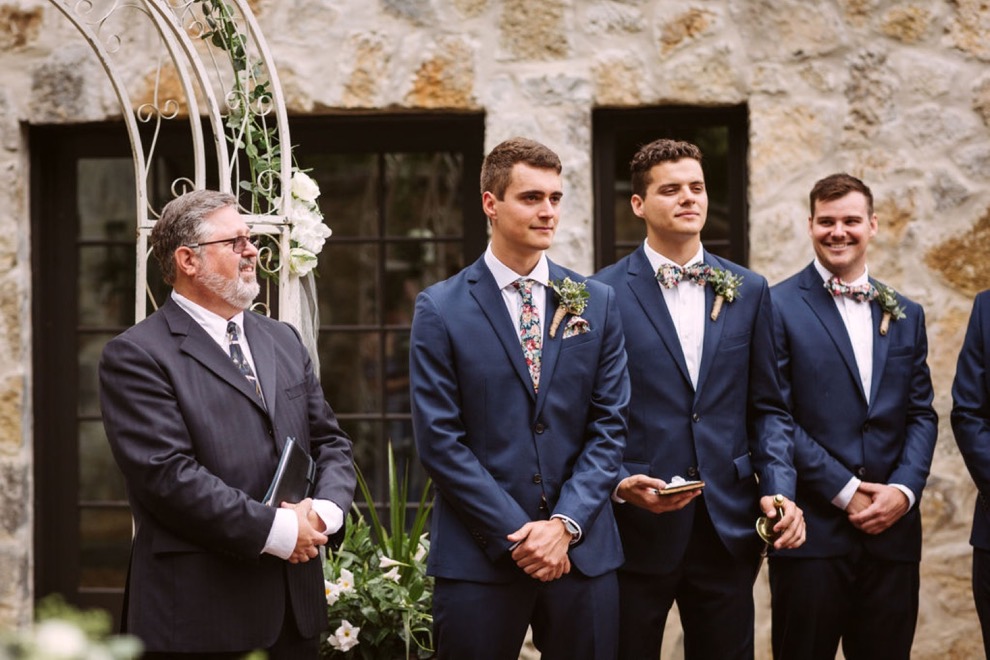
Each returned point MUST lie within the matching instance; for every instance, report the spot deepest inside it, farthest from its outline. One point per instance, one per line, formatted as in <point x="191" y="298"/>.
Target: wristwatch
<point x="571" y="527"/>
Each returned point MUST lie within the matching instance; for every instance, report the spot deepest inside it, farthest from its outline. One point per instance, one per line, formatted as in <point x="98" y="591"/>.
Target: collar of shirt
<point x="215" y="325"/>
<point x="656" y="259"/>
<point x="826" y="275"/>
<point x="505" y="276"/>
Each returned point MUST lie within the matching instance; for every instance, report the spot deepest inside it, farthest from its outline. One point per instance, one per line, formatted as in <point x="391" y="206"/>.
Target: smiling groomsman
<point x="519" y="395"/>
<point x="852" y="357"/>
<point x="705" y="406"/>
<point x="971" y="426"/>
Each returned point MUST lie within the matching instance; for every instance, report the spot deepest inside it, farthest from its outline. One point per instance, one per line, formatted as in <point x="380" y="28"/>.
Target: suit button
<point x="861" y="472"/>
<point x="692" y="472"/>
<point x="539" y="428"/>
<point x="695" y="417"/>
<point x="537" y="478"/>
<point x="866" y="427"/>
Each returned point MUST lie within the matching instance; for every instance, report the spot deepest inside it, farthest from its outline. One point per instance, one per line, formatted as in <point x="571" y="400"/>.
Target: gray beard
<point x="236" y="292"/>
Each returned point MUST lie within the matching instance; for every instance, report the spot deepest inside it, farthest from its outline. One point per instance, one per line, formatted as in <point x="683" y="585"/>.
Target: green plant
<point x="379" y="597"/>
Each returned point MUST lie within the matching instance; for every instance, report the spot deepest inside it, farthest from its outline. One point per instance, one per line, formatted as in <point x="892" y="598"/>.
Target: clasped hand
<point x="541" y="549"/>
<point x="875" y="507"/>
<point x="310" y="535"/>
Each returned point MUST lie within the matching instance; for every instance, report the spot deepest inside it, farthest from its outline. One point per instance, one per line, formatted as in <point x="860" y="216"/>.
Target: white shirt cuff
<point x="845" y="495"/>
<point x="330" y="514"/>
<point x="580" y="533"/>
<point x="907" y="493"/>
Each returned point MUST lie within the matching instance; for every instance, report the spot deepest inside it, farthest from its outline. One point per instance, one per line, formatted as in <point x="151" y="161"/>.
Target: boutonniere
<point x="726" y="286"/>
<point x="887" y="299"/>
<point x="572" y="298"/>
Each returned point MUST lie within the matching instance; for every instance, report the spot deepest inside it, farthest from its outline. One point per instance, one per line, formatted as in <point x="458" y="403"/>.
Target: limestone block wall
<point x="897" y="92"/>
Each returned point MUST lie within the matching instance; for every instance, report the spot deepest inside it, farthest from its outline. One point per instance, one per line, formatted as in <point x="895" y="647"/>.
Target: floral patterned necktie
<point x="237" y="355"/>
<point x="862" y="293"/>
<point x="530" y="330"/>
<point x="670" y="275"/>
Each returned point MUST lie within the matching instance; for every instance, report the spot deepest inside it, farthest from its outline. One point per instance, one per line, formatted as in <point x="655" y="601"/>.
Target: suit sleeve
<point x="152" y="445"/>
<point x="971" y="400"/>
<point x="921" y="430"/>
<point x="770" y="422"/>
<point x="481" y="503"/>
<point x="596" y="470"/>
<point x="821" y="472"/>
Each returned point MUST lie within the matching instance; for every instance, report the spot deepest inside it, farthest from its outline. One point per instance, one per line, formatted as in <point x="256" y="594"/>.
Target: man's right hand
<point x="641" y="491"/>
<point x="308" y="539"/>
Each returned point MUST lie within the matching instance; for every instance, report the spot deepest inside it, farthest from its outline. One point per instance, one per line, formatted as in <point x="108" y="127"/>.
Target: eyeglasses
<point x="238" y="243"/>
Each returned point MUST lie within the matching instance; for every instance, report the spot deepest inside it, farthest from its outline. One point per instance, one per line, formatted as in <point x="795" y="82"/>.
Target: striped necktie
<point x="237" y="355"/>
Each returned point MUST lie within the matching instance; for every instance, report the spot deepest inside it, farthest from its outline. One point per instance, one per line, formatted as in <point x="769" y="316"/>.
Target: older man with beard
<point x="198" y="401"/>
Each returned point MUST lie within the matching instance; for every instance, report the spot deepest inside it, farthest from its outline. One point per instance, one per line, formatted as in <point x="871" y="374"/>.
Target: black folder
<point x="294" y="477"/>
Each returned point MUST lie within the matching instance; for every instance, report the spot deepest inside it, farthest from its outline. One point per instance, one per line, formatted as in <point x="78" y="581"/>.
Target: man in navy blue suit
<point x="519" y="394"/>
<point x="706" y="406"/>
<point x="852" y="357"/>
<point x="971" y="426"/>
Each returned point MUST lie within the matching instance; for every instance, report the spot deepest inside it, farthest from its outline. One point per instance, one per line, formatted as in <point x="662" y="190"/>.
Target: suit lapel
<point x="713" y="329"/>
<point x="486" y="293"/>
<point x="551" y="345"/>
<point x="263" y="351"/>
<point x="201" y="347"/>
<point x="821" y="304"/>
<point x="643" y="282"/>
<point x="880" y="346"/>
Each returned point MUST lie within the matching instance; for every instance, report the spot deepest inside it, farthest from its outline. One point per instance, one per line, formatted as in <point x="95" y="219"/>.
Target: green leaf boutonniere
<point x="726" y="286"/>
<point x="572" y="298"/>
<point x="887" y="299"/>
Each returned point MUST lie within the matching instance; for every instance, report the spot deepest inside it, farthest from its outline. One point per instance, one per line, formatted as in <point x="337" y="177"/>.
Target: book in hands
<point x="294" y="477"/>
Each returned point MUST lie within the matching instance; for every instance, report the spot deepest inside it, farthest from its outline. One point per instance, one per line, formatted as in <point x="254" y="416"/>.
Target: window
<point x="721" y="133"/>
<point x="401" y="195"/>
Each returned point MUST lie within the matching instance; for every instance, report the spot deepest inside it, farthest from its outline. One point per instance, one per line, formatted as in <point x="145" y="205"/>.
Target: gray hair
<point x="183" y="222"/>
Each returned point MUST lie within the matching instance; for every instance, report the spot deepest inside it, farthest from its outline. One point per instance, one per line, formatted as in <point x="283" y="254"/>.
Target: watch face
<point x="570" y="527"/>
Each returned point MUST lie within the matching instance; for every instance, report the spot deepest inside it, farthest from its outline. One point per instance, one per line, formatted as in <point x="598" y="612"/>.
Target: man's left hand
<point x="791" y="527"/>
<point x="542" y="549"/>
<point x="888" y="505"/>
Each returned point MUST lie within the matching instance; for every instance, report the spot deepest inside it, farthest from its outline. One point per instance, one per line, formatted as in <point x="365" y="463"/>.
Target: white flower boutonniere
<point x="726" y="286"/>
<point x="887" y="299"/>
<point x="572" y="298"/>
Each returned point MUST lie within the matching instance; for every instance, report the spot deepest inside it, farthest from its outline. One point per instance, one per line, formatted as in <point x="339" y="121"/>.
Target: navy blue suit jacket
<point x="500" y="455"/>
<point x="971" y="413"/>
<point x="838" y="435"/>
<point x="733" y="428"/>
<point x="198" y="451"/>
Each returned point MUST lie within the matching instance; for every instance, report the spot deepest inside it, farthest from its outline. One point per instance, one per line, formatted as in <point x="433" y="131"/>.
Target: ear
<point x="637" y="205"/>
<point x="874" y="225"/>
<point x="186" y="261"/>
<point x="811" y="225"/>
<point x="488" y="202"/>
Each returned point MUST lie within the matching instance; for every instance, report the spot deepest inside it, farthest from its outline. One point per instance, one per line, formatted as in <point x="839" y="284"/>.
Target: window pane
<point x="347" y="283"/>
<point x="104" y="546"/>
<point x="423" y="195"/>
<point x="100" y="479"/>
<point x="348" y="192"/>
<point x="106" y="199"/>
<point x="90" y="349"/>
<point x="351" y="374"/>
<point x="106" y="283"/>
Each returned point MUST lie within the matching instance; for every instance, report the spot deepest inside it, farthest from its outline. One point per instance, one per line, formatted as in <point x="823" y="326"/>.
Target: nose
<point x="251" y="247"/>
<point x="547" y="209"/>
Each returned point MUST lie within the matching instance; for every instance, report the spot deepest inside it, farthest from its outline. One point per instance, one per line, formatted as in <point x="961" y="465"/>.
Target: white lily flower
<point x="420" y="552"/>
<point x="345" y="637"/>
<point x="386" y="562"/>
<point x="346" y="580"/>
<point x="392" y="574"/>
<point x="332" y="592"/>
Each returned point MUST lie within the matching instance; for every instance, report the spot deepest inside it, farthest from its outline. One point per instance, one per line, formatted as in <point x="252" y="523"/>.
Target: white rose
<point x="310" y="237"/>
<point x="304" y="187"/>
<point x="301" y="261"/>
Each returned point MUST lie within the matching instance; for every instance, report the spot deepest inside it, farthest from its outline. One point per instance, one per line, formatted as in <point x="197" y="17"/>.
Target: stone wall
<point x="895" y="92"/>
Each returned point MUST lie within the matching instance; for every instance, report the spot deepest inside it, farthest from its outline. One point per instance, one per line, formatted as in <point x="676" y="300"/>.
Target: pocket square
<point x="576" y="326"/>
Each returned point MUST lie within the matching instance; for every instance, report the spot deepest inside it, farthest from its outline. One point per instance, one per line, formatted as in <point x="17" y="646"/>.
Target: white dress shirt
<point x="282" y="537"/>
<point x="686" y="304"/>
<point x="858" y="320"/>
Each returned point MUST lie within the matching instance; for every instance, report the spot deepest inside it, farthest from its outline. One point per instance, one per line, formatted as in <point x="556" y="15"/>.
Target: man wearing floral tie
<point x="852" y="356"/>
<point x="706" y="406"/>
<point x="519" y="394"/>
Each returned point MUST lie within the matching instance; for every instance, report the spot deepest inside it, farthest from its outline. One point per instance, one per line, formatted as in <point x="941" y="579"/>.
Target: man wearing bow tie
<point x="852" y="358"/>
<point x="705" y="406"/>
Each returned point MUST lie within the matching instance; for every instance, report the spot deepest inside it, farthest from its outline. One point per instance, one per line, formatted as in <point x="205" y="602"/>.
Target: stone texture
<point x="710" y="78"/>
<point x="614" y="17"/>
<point x="869" y="93"/>
<point x="908" y="23"/>
<point x="533" y="30"/>
<point x="417" y="12"/>
<point x="11" y="413"/>
<point x="981" y="99"/>
<point x="13" y="496"/>
<point x="961" y="260"/>
<point x="788" y="30"/>
<point x="894" y="213"/>
<point x="18" y="27"/>
<point x="471" y="8"/>
<point x="947" y="190"/>
<point x="370" y="63"/>
<point x="15" y="585"/>
<point x="968" y="28"/>
<point x="616" y="80"/>
<point x="685" y="28"/>
<point x="446" y="80"/>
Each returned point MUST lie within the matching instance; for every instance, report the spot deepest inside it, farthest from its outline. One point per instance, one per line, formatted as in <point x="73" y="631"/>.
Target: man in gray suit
<point x="198" y="400"/>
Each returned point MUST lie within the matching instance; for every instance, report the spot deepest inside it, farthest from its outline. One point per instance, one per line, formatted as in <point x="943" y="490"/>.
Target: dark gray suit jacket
<point x="198" y="451"/>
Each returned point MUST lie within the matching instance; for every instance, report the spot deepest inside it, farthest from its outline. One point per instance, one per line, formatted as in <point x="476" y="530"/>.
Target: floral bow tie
<point x="670" y="275"/>
<point x="862" y="293"/>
